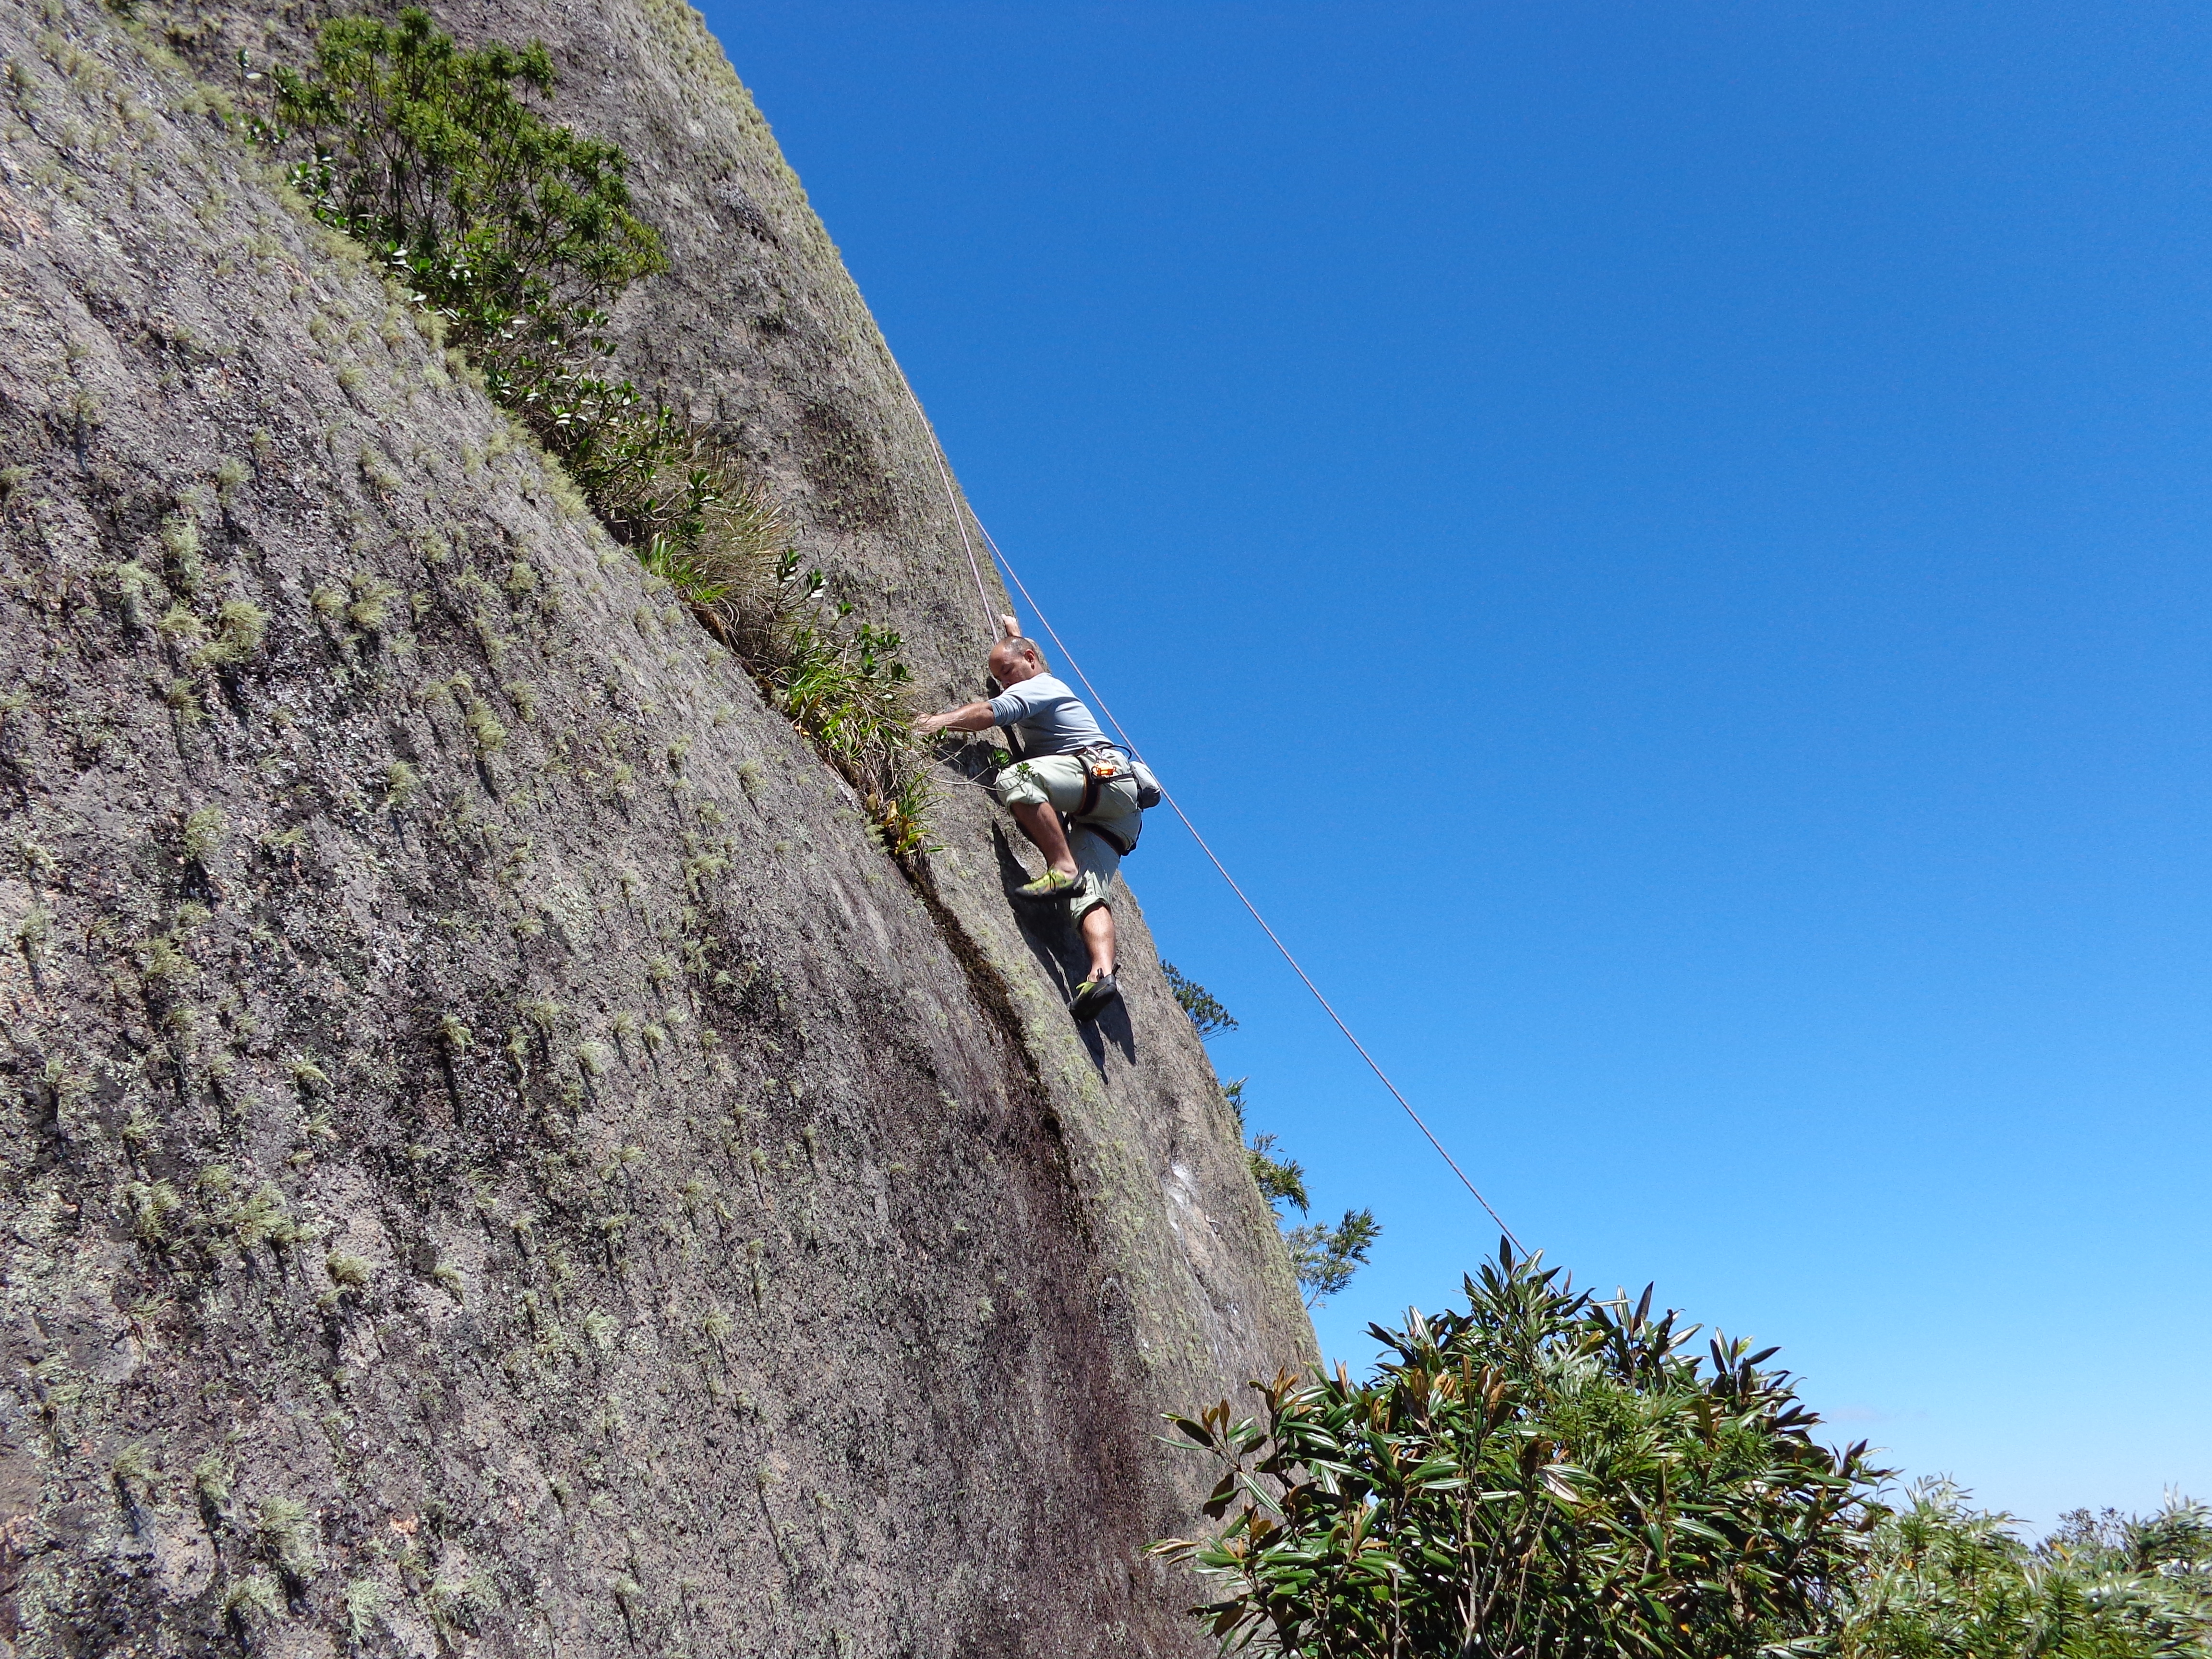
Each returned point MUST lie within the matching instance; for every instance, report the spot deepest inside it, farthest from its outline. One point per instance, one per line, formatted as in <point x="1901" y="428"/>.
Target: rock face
<point x="500" y="1160"/>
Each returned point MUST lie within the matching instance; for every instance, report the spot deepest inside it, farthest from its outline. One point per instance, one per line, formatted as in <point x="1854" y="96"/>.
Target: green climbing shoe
<point x="1050" y="884"/>
<point x="1092" y="996"/>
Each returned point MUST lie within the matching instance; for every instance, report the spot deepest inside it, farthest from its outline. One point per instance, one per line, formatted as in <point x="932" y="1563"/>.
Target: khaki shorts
<point x="1056" y="780"/>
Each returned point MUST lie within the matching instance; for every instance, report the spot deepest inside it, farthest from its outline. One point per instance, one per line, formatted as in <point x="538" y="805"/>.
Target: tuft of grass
<point x="241" y="626"/>
<point x="184" y="696"/>
<point x="401" y="781"/>
<point x="252" y="1600"/>
<point x="287" y="1536"/>
<point x="133" y="1466"/>
<point x="365" y="1601"/>
<point x="151" y="1204"/>
<point x="454" y="1035"/>
<point x="262" y="1217"/>
<point x="180" y="539"/>
<point x="347" y="1273"/>
<point x="202" y="833"/>
<point x="211" y="1478"/>
<point x="370" y="607"/>
<point x="182" y="624"/>
<point x="161" y="962"/>
<point x="485" y="728"/>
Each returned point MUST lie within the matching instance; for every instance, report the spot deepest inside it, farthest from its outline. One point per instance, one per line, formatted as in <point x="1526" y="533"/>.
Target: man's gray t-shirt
<point x="1050" y="718"/>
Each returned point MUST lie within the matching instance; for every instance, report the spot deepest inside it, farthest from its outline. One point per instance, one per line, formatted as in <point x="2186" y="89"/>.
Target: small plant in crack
<point x="347" y="1273"/>
<point x="200" y="835"/>
<point x="252" y="1602"/>
<point x="211" y="1478"/>
<point x="286" y="1533"/>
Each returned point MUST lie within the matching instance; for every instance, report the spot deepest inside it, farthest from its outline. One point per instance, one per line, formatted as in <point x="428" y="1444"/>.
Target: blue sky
<point x="1666" y="545"/>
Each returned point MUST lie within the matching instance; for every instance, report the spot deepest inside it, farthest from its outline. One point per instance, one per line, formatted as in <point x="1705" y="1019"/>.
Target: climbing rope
<point x="944" y="477"/>
<point x="991" y="631"/>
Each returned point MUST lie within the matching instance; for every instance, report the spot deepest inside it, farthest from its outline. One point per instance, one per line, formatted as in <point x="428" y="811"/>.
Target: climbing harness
<point x="1160" y="792"/>
<point x="1103" y="764"/>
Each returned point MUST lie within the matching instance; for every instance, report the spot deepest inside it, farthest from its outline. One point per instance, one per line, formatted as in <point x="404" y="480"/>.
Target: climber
<point x="1068" y="766"/>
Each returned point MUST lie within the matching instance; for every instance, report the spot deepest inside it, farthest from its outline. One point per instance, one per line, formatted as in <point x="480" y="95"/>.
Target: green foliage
<point x="517" y="231"/>
<point x="840" y="682"/>
<point x="1325" y="1258"/>
<point x="1206" y="1014"/>
<point x="1543" y="1473"/>
<point x="211" y="1478"/>
<point x="240" y="627"/>
<point x="365" y="1602"/>
<point x="252" y="1600"/>
<point x="518" y="234"/>
<point x="2176" y="1543"/>
<point x="203" y="832"/>
<point x="1281" y="1180"/>
<point x="1945" y="1580"/>
<point x="286" y="1534"/>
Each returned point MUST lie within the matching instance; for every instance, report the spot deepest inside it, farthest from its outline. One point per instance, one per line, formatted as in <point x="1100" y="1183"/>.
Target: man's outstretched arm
<point x="968" y="717"/>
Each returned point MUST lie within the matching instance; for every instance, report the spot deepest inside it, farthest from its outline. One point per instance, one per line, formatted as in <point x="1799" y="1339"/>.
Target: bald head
<point x="1015" y="660"/>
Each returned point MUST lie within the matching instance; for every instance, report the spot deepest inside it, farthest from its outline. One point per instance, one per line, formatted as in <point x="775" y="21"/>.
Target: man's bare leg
<point x="1097" y="925"/>
<point x="1041" y="824"/>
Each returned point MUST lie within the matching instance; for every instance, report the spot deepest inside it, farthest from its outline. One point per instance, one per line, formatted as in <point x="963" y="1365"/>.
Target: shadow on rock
<point x="1053" y="939"/>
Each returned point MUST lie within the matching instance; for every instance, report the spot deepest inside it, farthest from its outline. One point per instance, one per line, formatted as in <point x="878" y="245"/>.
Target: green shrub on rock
<point x="518" y="233"/>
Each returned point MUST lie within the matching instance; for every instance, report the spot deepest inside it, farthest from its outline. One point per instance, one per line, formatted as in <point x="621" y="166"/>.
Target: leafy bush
<point x="1544" y="1474"/>
<point x="2176" y="1543"/>
<point x="1206" y="1014"/>
<point x="516" y="231"/>
<point x="1943" y="1579"/>
<point x="1325" y="1258"/>
<point x="518" y="234"/>
<point x="1281" y="1180"/>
